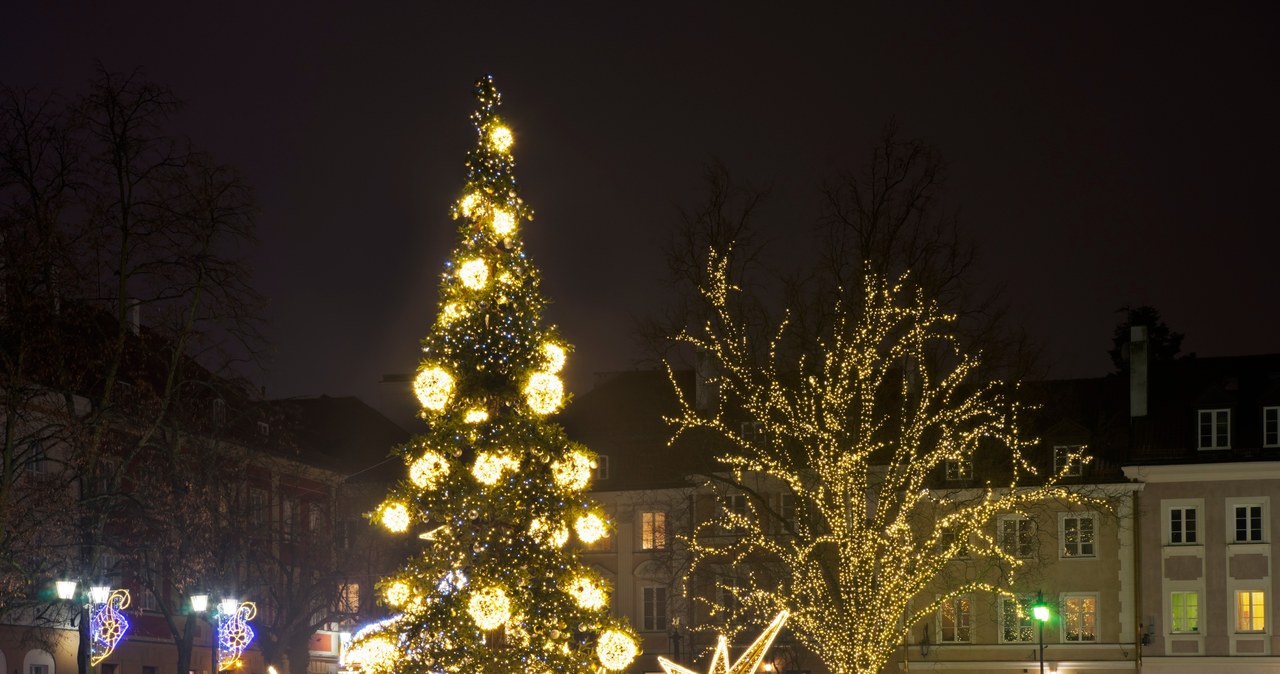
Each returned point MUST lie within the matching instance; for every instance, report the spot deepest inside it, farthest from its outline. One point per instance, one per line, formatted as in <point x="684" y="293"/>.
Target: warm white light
<point x="98" y="594"/>
<point x="228" y="606"/>
<point x="489" y="466"/>
<point x="590" y="528"/>
<point x="476" y="416"/>
<point x="504" y="223"/>
<point x="66" y="589"/>
<point x="615" y="650"/>
<point x="452" y="312"/>
<point x="544" y="393"/>
<point x="397" y="594"/>
<point x="474" y="273"/>
<point x="587" y="593"/>
<point x="501" y="138"/>
<point x="555" y="357"/>
<point x="199" y="603"/>
<point x="469" y="203"/>
<point x="434" y="387"/>
<point x="489" y="607"/>
<point x="573" y="472"/>
<point x="395" y="517"/>
<point x="428" y="470"/>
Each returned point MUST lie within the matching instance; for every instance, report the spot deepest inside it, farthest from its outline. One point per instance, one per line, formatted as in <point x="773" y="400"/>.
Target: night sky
<point x="1100" y="155"/>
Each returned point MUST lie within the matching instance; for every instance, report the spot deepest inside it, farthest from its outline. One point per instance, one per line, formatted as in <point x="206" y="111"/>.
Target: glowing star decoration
<point x="107" y="626"/>
<point x="555" y="357"/>
<point x="747" y="663"/>
<point x="489" y="608"/>
<point x="587" y="593"/>
<point x="434" y="388"/>
<point x="504" y="223"/>
<point x="397" y="594"/>
<point x="616" y="649"/>
<point x="544" y="393"/>
<point x="501" y="138"/>
<point x="234" y="635"/>
<point x="428" y="470"/>
<point x="490" y="466"/>
<point x="590" y="528"/>
<point x="475" y="416"/>
<point x="395" y="517"/>
<point x="573" y="472"/>
<point x="474" y="273"/>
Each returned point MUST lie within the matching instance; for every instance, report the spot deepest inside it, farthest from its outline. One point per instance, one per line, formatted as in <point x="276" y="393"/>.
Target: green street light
<point x="1040" y="611"/>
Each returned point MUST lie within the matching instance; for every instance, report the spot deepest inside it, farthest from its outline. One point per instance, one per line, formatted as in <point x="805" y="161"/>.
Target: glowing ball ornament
<point x="616" y="649"/>
<point x="591" y="528"/>
<point x="504" y="223"/>
<point x="555" y="357"/>
<point x="469" y="204"/>
<point x="427" y="471"/>
<point x="434" y="388"/>
<point x="474" y="273"/>
<point x="375" y="654"/>
<point x="544" y="393"/>
<point x="475" y="416"/>
<point x="587" y="593"/>
<point x="490" y="466"/>
<point x="395" y="517"/>
<point x="452" y="312"/>
<point x="489" y="608"/>
<point x="501" y="139"/>
<point x="573" y="472"/>
<point x="397" y="594"/>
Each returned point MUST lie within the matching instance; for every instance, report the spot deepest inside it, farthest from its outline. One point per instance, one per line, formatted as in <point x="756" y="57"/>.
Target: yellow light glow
<point x="395" y="517"/>
<point x="587" y="593"/>
<point x="573" y="472"/>
<point x="504" y="223"/>
<point x="452" y="312"/>
<point x="474" y="273"/>
<point x="591" y="528"/>
<point x="501" y="139"/>
<point x="616" y="649"/>
<point x="490" y="466"/>
<point x="555" y="357"/>
<point x="469" y="204"/>
<point x="489" y="608"/>
<point x="476" y="416"/>
<point x="428" y="470"/>
<point x="397" y="594"/>
<point x="375" y="654"/>
<point x="747" y="663"/>
<point x="434" y="388"/>
<point x="557" y="536"/>
<point x="544" y="393"/>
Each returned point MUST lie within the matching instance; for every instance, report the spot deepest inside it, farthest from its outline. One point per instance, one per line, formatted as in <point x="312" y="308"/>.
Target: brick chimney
<point x="1138" y="384"/>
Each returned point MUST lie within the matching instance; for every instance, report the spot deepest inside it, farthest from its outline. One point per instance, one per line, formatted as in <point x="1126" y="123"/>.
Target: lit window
<point x="1079" y="618"/>
<point x="960" y="469"/>
<point x="1248" y="520"/>
<point x="1271" y="427"/>
<point x="653" y="530"/>
<point x="655" y="609"/>
<point x="1183" y="528"/>
<point x="1215" y="429"/>
<point x="1251" y="611"/>
<point x="1185" y="607"/>
<point x="1016" y="625"/>
<point x="1068" y="458"/>
<point x="1017" y="536"/>
<point x="349" y="598"/>
<point x="1076" y="533"/>
<point x="954" y="619"/>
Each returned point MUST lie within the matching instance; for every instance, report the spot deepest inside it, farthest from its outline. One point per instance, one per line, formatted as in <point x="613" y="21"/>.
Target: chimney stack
<point x="1138" y="371"/>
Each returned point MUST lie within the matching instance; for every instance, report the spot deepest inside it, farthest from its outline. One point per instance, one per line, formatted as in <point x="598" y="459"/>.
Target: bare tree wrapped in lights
<point x="852" y="423"/>
<point x="494" y="489"/>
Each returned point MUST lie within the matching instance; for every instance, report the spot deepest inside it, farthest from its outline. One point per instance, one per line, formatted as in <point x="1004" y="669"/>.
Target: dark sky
<point x="1100" y="154"/>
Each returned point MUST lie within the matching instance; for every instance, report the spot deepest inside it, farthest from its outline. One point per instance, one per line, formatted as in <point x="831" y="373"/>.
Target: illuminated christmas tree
<point x="495" y="491"/>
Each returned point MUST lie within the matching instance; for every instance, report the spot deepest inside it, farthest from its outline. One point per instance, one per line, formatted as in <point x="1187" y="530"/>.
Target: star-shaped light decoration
<point x="747" y="662"/>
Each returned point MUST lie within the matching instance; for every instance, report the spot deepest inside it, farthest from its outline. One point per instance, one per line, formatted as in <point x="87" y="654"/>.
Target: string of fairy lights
<point x="495" y="490"/>
<point x="856" y="430"/>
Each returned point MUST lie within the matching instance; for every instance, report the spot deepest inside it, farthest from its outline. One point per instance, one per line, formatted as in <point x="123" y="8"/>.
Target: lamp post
<point x="1040" y="611"/>
<point x="200" y="604"/>
<point x="229" y="626"/>
<point x="113" y="630"/>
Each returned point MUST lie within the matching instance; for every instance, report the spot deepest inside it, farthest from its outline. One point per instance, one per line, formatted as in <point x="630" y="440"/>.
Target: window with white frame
<point x="1067" y="460"/>
<point x="1215" y="429"/>
<point x="147" y="599"/>
<point x="787" y="509"/>
<point x="653" y="530"/>
<point x="1079" y="618"/>
<point x="1184" y="525"/>
<point x="1271" y="427"/>
<point x="1251" y="614"/>
<point x="729" y="593"/>
<point x="602" y="467"/>
<point x="734" y="508"/>
<point x="1016" y="625"/>
<point x="1184" y="609"/>
<point x="753" y="432"/>
<point x="1076" y="534"/>
<point x="1017" y="535"/>
<point x="947" y="539"/>
<point x="1248" y="522"/>
<point x="655" y="608"/>
<point x="954" y="619"/>
<point x="959" y="469"/>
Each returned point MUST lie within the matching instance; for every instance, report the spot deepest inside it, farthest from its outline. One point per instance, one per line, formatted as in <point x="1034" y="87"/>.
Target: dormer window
<point x="1271" y="427"/>
<point x="1215" y="429"/>
<point x="1068" y="460"/>
<point x="264" y="429"/>
<point x="602" y="467"/>
<point x="959" y="469"/>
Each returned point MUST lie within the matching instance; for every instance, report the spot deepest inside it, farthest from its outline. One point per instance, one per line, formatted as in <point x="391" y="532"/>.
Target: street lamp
<point x="1040" y="611"/>
<point x="229" y="628"/>
<point x="102" y="625"/>
<point x="200" y="604"/>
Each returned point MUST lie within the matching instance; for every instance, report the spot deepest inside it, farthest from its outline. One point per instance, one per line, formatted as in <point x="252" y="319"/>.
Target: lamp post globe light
<point x="102" y="624"/>
<point x="1040" y="612"/>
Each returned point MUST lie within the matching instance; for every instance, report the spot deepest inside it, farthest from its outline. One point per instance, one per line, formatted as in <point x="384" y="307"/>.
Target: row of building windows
<point x="1214" y="428"/>
<point x="1250" y="612"/>
<point x="1078" y="623"/>
<point x="1246" y="523"/>
<point x="1067" y="461"/>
